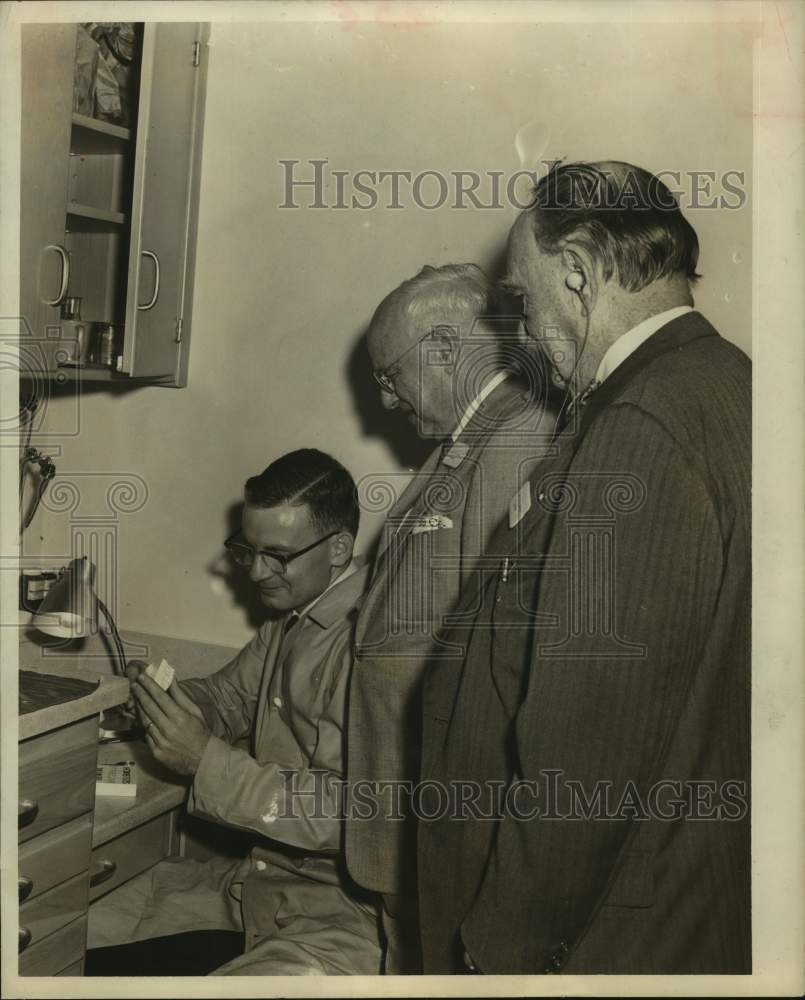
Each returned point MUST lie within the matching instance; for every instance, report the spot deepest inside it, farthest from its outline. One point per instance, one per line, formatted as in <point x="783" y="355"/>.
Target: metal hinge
<point x="178" y="338"/>
<point x="196" y="53"/>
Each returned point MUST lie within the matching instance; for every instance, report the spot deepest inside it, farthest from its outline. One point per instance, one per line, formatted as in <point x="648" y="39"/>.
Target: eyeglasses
<point x="244" y="555"/>
<point x="385" y="376"/>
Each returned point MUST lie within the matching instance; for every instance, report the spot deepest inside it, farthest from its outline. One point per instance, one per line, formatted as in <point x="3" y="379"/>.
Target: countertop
<point x="110" y="691"/>
<point x="158" y="789"/>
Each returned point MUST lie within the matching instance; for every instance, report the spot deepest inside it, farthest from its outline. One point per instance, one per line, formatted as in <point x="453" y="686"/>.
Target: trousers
<point x="292" y="923"/>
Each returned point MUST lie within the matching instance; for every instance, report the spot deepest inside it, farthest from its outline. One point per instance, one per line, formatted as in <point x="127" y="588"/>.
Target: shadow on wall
<point x="408" y="449"/>
<point x="243" y="592"/>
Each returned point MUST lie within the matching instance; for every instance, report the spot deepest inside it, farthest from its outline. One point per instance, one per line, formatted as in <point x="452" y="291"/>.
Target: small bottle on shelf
<point x="106" y="344"/>
<point x="74" y="332"/>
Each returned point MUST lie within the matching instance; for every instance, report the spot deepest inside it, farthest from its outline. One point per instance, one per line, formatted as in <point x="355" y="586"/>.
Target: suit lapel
<point x="406" y="500"/>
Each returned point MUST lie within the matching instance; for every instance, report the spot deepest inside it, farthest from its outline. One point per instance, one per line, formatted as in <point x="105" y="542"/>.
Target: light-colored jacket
<point x="434" y="535"/>
<point x="288" y="694"/>
<point x="300" y="912"/>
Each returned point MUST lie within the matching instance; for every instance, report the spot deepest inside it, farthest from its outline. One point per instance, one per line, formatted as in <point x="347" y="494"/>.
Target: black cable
<point x="47" y="472"/>
<point x="115" y="636"/>
<point x="40" y="492"/>
<point x="30" y="408"/>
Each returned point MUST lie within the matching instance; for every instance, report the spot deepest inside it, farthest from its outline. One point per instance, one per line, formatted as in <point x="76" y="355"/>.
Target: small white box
<point x="116" y="779"/>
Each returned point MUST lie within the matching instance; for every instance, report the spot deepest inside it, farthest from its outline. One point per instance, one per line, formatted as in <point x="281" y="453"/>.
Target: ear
<point x="446" y="341"/>
<point x="341" y="546"/>
<point x="580" y="276"/>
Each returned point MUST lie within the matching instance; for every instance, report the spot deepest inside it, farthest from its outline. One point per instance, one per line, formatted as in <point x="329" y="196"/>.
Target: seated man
<point x="292" y="898"/>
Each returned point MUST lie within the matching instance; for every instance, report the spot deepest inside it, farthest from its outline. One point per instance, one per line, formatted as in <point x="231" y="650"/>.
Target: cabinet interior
<point x="98" y="209"/>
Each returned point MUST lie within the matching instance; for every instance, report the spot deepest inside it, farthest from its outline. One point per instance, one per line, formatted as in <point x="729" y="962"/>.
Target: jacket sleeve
<point x="228" y="697"/>
<point x="599" y="708"/>
<point x="295" y="804"/>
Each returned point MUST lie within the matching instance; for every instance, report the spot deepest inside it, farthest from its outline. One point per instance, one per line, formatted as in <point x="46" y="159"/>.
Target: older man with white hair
<point x="438" y="360"/>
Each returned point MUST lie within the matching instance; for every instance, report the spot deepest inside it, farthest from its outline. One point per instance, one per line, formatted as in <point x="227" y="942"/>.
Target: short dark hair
<point x="308" y="476"/>
<point x="623" y="215"/>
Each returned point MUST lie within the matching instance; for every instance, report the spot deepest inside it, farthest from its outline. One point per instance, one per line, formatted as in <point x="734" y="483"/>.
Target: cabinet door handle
<point x="24" y="938"/>
<point x="155" y="296"/>
<point x="26" y="812"/>
<point x="24" y="886"/>
<point x="106" y="871"/>
<point x="65" y="274"/>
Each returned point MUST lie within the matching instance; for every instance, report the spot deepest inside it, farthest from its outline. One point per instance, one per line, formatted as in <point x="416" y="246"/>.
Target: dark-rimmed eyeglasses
<point x="385" y="376"/>
<point x="245" y="555"/>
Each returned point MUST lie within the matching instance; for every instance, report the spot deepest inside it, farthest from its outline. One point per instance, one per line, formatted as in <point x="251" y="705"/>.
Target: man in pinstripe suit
<point x="606" y="675"/>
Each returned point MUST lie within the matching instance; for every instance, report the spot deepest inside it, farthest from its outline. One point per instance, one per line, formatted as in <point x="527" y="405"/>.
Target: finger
<point x="149" y="706"/>
<point x="184" y="701"/>
<point x="156" y="739"/>
<point x="161" y="698"/>
<point x="134" y="668"/>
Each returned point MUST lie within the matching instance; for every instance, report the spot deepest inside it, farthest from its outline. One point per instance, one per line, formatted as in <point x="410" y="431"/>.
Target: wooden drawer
<point x="46" y="914"/>
<point x="60" y="951"/>
<point x="57" y="777"/>
<point x="55" y="856"/>
<point x="129" y="854"/>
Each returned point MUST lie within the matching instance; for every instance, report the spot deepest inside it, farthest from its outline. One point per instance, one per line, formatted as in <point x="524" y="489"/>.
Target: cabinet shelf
<point x="90" y="135"/>
<point x="88" y="218"/>
<point x="90" y="373"/>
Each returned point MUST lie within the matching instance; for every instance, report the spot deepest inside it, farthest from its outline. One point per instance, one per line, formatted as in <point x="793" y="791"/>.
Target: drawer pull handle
<point x="155" y="296"/>
<point x="64" y="279"/>
<point x="24" y="887"/>
<point x="107" y="870"/>
<point x="26" y="812"/>
<point x="24" y="939"/>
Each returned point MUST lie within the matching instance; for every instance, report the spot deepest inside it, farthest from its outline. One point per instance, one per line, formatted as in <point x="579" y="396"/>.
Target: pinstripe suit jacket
<point x="611" y="649"/>
<point x="427" y="558"/>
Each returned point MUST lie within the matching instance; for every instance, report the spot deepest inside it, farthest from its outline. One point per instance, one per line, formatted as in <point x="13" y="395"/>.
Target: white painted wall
<point x="282" y="297"/>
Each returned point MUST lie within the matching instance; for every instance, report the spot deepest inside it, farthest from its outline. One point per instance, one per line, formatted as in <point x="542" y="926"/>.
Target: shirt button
<point x="260" y="866"/>
<point x="278" y="701"/>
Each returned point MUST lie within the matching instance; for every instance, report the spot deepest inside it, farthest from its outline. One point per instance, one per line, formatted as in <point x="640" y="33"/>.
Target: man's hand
<point x="175" y="729"/>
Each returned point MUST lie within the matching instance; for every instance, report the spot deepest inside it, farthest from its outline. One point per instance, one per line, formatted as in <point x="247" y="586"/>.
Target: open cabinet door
<point x="168" y="132"/>
<point x="48" y="60"/>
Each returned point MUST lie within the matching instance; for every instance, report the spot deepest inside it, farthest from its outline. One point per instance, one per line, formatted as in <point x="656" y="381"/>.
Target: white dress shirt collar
<point x="351" y="568"/>
<point x="628" y="342"/>
<point x="475" y="405"/>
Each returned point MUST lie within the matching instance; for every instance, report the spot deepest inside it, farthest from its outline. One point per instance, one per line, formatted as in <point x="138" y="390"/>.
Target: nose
<point x="259" y="570"/>
<point x="389" y="399"/>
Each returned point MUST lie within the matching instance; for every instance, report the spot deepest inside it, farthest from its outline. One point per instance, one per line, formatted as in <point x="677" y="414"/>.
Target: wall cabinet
<point x="108" y="213"/>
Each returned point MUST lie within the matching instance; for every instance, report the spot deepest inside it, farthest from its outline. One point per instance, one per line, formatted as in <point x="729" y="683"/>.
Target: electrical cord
<point x="30" y="407"/>
<point x="115" y="635"/>
<point x="570" y="395"/>
<point x="47" y="470"/>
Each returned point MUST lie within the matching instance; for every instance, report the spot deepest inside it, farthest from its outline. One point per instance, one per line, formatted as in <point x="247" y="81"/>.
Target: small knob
<point x="24" y="887"/>
<point x="106" y="871"/>
<point x="26" y="812"/>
